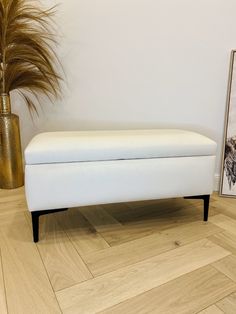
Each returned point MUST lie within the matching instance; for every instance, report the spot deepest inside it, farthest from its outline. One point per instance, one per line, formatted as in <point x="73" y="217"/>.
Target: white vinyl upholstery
<point x="113" y="145"/>
<point x="69" y="169"/>
<point x="61" y="185"/>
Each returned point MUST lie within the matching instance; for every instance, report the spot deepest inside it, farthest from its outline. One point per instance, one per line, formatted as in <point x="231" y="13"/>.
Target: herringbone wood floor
<point x="141" y="257"/>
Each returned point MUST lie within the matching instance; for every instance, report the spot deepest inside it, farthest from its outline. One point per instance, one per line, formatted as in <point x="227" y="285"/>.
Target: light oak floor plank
<point x="63" y="263"/>
<point x="129" y="253"/>
<point x="12" y="193"/>
<point x="225" y="205"/>
<point x="28" y="288"/>
<point x="3" y="301"/>
<point x="224" y="222"/>
<point x="82" y="234"/>
<point x="135" y="211"/>
<point x="12" y="218"/>
<point x="112" y="288"/>
<point x="227" y="266"/>
<point x="12" y="204"/>
<point x="148" y="224"/>
<point x="111" y="230"/>
<point x="188" y="294"/>
<point x="170" y="224"/>
<point x="213" y="309"/>
<point x="100" y="219"/>
<point x="124" y="234"/>
<point x="225" y="239"/>
<point x="228" y="304"/>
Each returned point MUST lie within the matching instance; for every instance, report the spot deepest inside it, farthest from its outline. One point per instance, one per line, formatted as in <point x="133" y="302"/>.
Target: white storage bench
<point x="69" y="169"/>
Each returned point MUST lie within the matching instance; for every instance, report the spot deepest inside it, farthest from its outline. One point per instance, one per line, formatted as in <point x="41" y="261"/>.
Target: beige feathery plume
<point x="28" y="62"/>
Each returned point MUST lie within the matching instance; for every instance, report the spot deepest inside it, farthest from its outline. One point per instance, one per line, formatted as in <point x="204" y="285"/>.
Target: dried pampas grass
<point x="28" y="62"/>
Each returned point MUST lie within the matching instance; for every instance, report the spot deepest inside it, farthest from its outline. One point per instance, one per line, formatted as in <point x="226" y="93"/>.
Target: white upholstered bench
<point x="69" y="169"/>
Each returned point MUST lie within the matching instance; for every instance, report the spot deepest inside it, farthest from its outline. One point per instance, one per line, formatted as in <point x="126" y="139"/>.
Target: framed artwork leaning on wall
<point x="228" y="170"/>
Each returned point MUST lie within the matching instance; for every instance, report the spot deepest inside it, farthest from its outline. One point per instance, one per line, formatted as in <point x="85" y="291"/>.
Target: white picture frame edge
<point x="226" y="121"/>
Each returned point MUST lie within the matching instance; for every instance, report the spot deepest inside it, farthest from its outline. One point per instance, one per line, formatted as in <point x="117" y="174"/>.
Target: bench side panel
<point x="62" y="185"/>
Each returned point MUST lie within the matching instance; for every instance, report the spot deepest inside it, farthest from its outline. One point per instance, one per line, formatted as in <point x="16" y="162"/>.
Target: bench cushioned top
<point x="64" y="147"/>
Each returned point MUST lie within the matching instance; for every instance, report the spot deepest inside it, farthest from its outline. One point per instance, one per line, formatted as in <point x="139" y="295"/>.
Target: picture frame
<point x="228" y="164"/>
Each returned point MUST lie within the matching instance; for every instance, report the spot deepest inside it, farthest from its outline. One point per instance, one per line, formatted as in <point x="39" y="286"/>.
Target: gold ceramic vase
<point x="11" y="165"/>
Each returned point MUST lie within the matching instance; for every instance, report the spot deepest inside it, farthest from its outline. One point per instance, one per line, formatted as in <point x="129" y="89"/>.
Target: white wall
<point x="141" y="64"/>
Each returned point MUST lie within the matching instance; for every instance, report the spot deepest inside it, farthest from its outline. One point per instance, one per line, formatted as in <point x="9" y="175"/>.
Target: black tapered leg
<point x="35" y="225"/>
<point x="206" y="206"/>
<point x="35" y="220"/>
<point x="206" y="199"/>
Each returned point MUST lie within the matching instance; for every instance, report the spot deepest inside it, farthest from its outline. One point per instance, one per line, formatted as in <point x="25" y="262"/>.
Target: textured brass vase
<point x="11" y="165"/>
